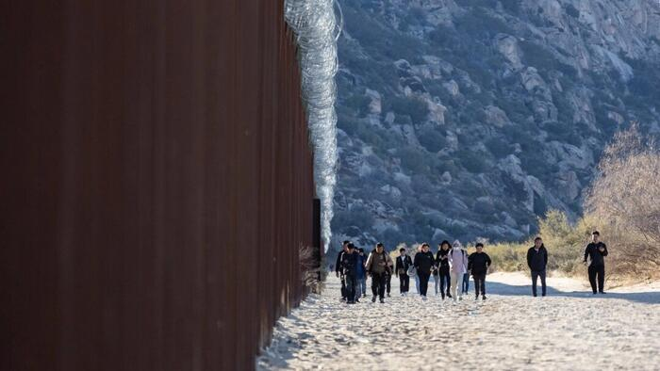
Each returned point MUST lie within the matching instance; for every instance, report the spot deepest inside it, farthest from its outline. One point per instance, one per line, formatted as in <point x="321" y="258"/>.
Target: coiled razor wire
<point x="316" y="30"/>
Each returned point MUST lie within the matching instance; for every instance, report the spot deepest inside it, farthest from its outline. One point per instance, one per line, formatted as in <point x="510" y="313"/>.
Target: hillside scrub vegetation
<point x="623" y="203"/>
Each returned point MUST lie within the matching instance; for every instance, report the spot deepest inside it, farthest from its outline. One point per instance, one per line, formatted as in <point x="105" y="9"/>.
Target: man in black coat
<point x="339" y="271"/>
<point x="424" y="263"/>
<point x="596" y="251"/>
<point x="403" y="263"/>
<point x="478" y="263"/>
<point x="537" y="260"/>
<point x="349" y="262"/>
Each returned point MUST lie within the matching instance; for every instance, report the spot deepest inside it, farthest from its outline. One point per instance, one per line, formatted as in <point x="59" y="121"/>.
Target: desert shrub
<point x="572" y="11"/>
<point x="565" y="243"/>
<point x="498" y="147"/>
<point x="625" y="198"/>
<point x="472" y="161"/>
<point x="432" y="139"/>
<point x="414" y="107"/>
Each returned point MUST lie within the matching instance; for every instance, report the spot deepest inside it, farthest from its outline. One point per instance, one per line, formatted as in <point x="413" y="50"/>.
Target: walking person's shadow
<point x="498" y="288"/>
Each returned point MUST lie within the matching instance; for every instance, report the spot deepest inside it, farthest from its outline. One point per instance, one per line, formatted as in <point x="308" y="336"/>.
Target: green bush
<point x="472" y="161"/>
<point x="498" y="147"/>
<point x="414" y="107"/>
<point x="432" y="139"/>
<point x="565" y="244"/>
<point x="414" y="159"/>
<point x="572" y="11"/>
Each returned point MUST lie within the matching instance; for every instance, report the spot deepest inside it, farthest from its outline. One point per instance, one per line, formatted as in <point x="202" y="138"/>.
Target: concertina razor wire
<point x="316" y="28"/>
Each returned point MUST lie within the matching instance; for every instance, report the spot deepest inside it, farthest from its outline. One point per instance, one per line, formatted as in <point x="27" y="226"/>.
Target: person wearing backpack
<point x="537" y="260"/>
<point x="403" y="264"/>
<point x="442" y="262"/>
<point x="478" y="264"/>
<point x="458" y="266"/>
<point x="424" y="263"/>
<point x="378" y="265"/>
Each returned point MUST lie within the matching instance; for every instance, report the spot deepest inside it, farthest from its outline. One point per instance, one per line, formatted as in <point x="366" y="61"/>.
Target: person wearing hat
<point x="478" y="263"/>
<point x="537" y="260"/>
<point x="596" y="252"/>
<point x="349" y="264"/>
<point x="378" y="265"/>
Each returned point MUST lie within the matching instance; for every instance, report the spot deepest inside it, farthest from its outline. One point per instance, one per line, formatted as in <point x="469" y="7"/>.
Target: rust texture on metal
<point x="156" y="183"/>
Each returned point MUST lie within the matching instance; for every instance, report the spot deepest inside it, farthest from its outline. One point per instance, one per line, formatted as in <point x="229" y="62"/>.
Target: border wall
<point x="157" y="182"/>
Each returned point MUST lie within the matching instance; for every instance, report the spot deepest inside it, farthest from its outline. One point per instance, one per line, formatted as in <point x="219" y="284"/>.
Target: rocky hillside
<point x="470" y="118"/>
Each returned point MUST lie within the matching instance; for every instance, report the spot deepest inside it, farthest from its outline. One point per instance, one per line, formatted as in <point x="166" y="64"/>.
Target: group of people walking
<point x="450" y="267"/>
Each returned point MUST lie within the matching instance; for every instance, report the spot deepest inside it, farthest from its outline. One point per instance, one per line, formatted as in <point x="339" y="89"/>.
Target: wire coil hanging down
<point x="317" y="30"/>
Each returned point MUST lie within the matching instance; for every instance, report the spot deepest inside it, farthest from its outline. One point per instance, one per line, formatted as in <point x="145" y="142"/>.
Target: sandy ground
<point x="570" y="329"/>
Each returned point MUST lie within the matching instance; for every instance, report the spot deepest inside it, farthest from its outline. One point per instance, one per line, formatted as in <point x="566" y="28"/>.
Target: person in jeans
<point x="436" y="278"/>
<point x="361" y="274"/>
<point x="388" y="278"/>
<point x="349" y="262"/>
<point x="478" y="263"/>
<point x="403" y="264"/>
<point x="339" y="270"/>
<point x="596" y="252"/>
<point x="537" y="260"/>
<point x="442" y="262"/>
<point x="458" y="262"/>
<point x="414" y="269"/>
<point x="378" y="264"/>
<point x="424" y="263"/>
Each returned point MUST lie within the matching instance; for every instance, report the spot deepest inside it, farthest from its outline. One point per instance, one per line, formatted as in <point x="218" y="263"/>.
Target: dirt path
<point x="511" y="330"/>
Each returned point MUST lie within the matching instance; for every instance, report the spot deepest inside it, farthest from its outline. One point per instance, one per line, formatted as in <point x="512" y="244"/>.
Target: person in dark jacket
<point x="424" y="263"/>
<point x="537" y="260"/>
<point x="403" y="263"/>
<point x="442" y="262"/>
<point x="478" y="263"/>
<point x="339" y="271"/>
<point x="361" y="274"/>
<point x="349" y="263"/>
<point x="378" y="265"/>
<point x="596" y="251"/>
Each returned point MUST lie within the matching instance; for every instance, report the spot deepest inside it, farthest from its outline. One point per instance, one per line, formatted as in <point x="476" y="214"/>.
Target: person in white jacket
<point x="458" y="261"/>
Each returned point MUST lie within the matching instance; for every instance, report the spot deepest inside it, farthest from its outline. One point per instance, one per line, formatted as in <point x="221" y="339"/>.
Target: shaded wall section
<point x="156" y="183"/>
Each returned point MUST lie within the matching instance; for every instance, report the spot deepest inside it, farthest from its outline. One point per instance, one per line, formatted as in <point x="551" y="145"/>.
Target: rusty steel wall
<point x="156" y="183"/>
